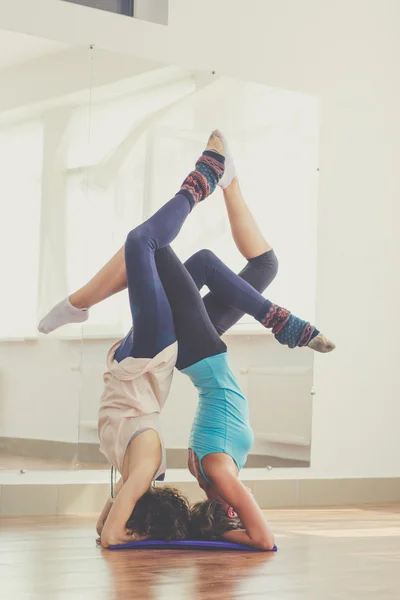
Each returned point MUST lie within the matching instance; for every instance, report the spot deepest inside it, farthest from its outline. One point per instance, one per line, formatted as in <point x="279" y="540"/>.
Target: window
<point x="124" y="7"/>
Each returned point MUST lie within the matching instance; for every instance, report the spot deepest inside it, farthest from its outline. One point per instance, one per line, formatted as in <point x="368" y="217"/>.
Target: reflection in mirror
<point x="148" y="124"/>
<point x="44" y="86"/>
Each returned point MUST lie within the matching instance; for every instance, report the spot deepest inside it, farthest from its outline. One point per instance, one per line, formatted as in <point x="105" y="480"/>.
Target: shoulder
<point x="143" y="452"/>
<point x="145" y="440"/>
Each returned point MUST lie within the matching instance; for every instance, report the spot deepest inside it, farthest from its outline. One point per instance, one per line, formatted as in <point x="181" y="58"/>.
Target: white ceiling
<point x="17" y="48"/>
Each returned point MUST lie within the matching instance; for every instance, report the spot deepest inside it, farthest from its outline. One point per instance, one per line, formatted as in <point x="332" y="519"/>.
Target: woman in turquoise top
<point x="222" y="421"/>
<point x="221" y="435"/>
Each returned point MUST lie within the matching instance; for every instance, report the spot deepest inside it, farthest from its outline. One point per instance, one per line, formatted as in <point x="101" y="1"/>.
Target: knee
<point x="137" y="238"/>
<point x="272" y="264"/>
<point x="267" y="263"/>
<point x="204" y="257"/>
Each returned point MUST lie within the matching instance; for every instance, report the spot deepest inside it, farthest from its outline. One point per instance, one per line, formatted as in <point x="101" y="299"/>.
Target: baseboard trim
<point x="88" y="498"/>
<point x="85" y="454"/>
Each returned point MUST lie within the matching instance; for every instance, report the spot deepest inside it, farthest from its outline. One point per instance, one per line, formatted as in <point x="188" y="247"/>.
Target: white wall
<point x="348" y="53"/>
<point x="40" y="390"/>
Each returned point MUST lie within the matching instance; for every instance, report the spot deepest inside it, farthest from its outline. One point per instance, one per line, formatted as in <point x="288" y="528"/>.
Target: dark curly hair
<point x="161" y="514"/>
<point x="209" y="521"/>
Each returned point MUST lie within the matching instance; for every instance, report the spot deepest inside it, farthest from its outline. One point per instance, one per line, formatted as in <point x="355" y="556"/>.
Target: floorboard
<point x="324" y="554"/>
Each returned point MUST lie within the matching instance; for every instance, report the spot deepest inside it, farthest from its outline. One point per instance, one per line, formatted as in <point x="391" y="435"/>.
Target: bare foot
<point x="321" y="344"/>
<point x="215" y="144"/>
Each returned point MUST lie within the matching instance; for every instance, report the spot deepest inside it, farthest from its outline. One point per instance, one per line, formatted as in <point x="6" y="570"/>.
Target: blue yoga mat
<point x="186" y="545"/>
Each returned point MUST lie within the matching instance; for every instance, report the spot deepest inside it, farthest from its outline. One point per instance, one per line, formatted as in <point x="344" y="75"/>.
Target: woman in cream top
<point x="135" y="391"/>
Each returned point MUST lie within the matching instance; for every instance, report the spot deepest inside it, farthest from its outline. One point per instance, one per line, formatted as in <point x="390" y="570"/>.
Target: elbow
<point x="266" y="543"/>
<point x="105" y="541"/>
<point x="99" y="528"/>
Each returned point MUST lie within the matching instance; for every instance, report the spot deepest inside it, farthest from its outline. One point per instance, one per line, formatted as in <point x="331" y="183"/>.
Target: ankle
<point x="77" y="301"/>
<point x="234" y="185"/>
<point x="201" y="182"/>
<point x="232" y="192"/>
<point x="296" y="333"/>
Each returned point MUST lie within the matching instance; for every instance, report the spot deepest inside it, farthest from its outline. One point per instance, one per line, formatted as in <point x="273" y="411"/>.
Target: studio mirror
<point x="148" y="124"/>
<point x="44" y="101"/>
<point x="91" y="144"/>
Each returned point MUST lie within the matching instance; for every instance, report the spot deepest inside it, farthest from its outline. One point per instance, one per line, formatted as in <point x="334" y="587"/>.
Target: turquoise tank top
<point x="221" y="423"/>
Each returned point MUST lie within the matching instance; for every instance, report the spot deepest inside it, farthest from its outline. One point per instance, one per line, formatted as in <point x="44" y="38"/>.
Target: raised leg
<point x="151" y="314"/>
<point x="153" y="328"/>
<point x="260" y="271"/>
<point x="232" y="291"/>
<point x="262" y="264"/>
<point x="247" y="235"/>
<point x="196" y="335"/>
<point x="110" y="280"/>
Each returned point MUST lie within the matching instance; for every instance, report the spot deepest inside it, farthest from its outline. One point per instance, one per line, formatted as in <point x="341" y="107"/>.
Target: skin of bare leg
<point x="251" y="243"/>
<point x="247" y="236"/>
<point x="110" y="280"/>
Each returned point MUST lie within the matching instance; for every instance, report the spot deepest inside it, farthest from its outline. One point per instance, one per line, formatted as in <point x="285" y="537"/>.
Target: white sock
<point x="62" y="314"/>
<point x="230" y="171"/>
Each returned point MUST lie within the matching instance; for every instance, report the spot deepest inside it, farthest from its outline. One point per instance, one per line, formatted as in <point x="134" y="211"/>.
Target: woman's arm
<point x="257" y="531"/>
<point x="142" y="461"/>
<point x="107" y="507"/>
<point x="240" y="536"/>
<point x="114" y="531"/>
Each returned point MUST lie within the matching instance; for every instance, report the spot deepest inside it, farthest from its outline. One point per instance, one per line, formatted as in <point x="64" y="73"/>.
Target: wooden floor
<point x="347" y="554"/>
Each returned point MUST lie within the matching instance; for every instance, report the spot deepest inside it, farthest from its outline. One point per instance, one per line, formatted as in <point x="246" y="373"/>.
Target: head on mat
<point x="160" y="514"/>
<point x="211" y="519"/>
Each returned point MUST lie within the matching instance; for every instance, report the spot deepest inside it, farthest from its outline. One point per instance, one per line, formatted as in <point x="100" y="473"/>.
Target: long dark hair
<point x="161" y="514"/>
<point x="209" y="520"/>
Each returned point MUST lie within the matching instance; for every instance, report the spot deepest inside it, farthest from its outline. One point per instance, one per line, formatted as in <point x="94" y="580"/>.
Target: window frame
<point x="127" y="7"/>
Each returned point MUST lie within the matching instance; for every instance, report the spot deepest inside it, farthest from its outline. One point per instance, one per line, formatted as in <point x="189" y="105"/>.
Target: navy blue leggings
<point x="153" y="325"/>
<point x="200" y="322"/>
<point x="164" y="294"/>
<point x="221" y="303"/>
